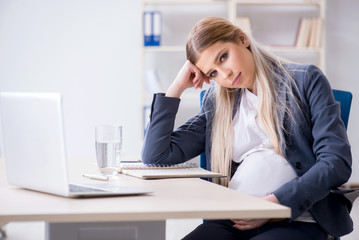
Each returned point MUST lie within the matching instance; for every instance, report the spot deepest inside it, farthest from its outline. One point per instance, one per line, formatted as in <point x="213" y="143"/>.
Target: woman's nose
<point x="226" y="73"/>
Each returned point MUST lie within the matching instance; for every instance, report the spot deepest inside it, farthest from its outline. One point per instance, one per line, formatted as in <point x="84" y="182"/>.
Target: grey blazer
<point x="316" y="145"/>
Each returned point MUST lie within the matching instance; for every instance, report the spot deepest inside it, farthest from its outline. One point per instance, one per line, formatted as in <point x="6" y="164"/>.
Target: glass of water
<point x="108" y="140"/>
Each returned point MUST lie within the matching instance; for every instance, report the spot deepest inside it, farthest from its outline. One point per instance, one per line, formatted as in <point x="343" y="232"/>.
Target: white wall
<point x="86" y="49"/>
<point x="342" y="63"/>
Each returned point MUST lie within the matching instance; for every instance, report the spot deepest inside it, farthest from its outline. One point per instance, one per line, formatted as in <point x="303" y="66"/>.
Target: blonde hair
<point x="267" y="68"/>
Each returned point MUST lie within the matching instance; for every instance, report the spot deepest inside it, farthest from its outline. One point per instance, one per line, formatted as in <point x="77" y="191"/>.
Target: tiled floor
<point x="176" y="229"/>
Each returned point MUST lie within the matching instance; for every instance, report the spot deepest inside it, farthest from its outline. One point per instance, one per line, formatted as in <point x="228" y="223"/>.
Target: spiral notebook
<point x="183" y="170"/>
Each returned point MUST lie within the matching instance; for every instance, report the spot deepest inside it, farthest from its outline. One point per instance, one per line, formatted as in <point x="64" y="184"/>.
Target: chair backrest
<point x="345" y="100"/>
<point x="343" y="97"/>
<point x="202" y="157"/>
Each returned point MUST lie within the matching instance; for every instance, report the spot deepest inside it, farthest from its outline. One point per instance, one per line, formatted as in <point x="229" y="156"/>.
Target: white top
<point x="262" y="170"/>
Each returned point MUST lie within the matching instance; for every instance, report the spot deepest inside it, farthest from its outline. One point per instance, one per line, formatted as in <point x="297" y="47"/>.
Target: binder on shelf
<point x="152" y="28"/>
<point x="245" y="24"/>
<point x="147" y="28"/>
<point x="303" y="33"/>
<point x="309" y="33"/>
<point x="317" y="33"/>
<point x="157" y="28"/>
<point x="313" y="33"/>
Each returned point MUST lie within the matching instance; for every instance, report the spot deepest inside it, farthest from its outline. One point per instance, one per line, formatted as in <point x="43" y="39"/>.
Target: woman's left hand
<point x="249" y="224"/>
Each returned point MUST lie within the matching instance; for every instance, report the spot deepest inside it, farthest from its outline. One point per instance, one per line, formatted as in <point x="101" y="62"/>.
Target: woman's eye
<point x="223" y="57"/>
<point x="213" y="74"/>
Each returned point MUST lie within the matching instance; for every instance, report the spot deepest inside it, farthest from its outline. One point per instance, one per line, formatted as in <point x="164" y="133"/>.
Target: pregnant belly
<point x="261" y="173"/>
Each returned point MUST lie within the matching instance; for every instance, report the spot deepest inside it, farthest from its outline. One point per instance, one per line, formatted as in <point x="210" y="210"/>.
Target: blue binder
<point x="152" y="28"/>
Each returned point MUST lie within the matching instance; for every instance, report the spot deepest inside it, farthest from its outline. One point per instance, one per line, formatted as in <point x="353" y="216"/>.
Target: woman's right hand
<point x="189" y="76"/>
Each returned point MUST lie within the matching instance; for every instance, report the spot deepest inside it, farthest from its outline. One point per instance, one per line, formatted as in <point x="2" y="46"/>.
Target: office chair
<point x="345" y="100"/>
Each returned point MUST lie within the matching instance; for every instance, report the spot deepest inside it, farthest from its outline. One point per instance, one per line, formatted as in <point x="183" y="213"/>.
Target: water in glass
<point x="108" y="157"/>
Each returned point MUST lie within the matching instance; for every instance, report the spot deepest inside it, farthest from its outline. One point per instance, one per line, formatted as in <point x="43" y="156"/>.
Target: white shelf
<point x="188" y="94"/>
<point x="280" y="2"/>
<point x="224" y="2"/>
<point x="292" y="49"/>
<point x="164" y="49"/>
<point x="205" y="2"/>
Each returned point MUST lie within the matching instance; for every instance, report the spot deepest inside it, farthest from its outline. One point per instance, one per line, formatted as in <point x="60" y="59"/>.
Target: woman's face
<point x="230" y="65"/>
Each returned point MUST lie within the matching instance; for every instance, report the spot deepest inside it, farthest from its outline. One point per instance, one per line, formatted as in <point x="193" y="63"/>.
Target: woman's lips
<point x="237" y="79"/>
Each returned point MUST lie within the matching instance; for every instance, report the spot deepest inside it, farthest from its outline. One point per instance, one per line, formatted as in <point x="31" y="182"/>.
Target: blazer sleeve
<point x="163" y="145"/>
<point x="328" y="144"/>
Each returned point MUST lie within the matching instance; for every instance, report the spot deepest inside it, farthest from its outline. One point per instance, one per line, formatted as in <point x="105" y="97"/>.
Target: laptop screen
<point x="34" y="142"/>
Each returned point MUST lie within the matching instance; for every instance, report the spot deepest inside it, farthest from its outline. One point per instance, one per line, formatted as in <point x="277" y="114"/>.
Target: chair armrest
<point x="351" y="194"/>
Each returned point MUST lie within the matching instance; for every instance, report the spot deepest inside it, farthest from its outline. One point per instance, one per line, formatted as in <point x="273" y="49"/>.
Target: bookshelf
<point x="178" y="15"/>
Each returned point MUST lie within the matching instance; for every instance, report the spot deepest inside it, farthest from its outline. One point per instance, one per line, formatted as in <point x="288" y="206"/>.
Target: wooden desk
<point x="172" y="198"/>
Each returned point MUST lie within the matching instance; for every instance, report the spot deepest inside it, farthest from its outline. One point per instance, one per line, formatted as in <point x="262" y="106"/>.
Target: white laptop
<point x="34" y="147"/>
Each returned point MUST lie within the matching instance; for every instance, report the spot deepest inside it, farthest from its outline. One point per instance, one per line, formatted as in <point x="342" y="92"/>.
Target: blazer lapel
<point x="282" y="97"/>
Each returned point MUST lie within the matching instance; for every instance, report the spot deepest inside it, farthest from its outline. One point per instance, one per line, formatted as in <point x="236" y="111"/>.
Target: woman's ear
<point x="243" y="39"/>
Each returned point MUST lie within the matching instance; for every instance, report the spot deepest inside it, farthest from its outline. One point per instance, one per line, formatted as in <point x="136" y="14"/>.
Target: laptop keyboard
<point x="80" y="189"/>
